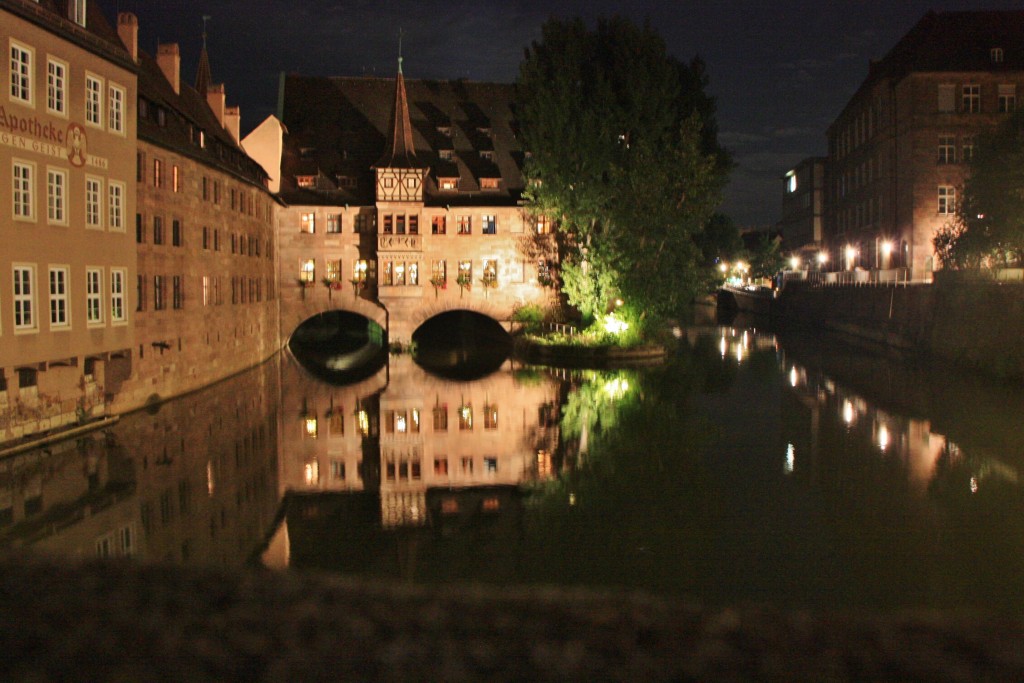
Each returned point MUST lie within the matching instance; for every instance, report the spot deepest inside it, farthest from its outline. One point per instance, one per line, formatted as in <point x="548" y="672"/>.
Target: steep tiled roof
<point x="400" y="151"/>
<point x="956" y="41"/>
<point x="345" y="124"/>
<point x="184" y="115"/>
<point x="97" y="35"/>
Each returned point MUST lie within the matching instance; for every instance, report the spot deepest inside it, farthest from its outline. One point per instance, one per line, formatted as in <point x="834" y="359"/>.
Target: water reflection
<point x="750" y="467"/>
<point x="194" y="482"/>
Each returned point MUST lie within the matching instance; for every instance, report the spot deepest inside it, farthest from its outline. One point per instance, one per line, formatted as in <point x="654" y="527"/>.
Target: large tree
<point x="624" y="157"/>
<point x="989" y="225"/>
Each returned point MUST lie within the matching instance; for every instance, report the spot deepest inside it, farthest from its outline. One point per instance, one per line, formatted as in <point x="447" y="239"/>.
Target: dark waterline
<point x="749" y="468"/>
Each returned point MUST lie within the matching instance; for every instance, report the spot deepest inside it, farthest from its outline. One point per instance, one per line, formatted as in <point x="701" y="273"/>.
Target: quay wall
<point x="976" y="324"/>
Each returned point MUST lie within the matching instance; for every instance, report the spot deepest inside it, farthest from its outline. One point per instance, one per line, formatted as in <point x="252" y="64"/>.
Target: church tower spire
<point x="400" y="151"/>
<point x="203" y="76"/>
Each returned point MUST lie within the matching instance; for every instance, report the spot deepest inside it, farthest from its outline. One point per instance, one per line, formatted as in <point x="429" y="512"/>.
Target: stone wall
<point x="975" y="324"/>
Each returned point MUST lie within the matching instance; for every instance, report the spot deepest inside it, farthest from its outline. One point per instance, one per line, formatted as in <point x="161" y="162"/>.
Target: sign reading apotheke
<point x="32" y="135"/>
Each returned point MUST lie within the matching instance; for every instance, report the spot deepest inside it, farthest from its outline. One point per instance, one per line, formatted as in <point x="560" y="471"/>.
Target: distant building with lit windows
<point x="802" y="207"/>
<point x="67" y="194"/>
<point x="898" y="152"/>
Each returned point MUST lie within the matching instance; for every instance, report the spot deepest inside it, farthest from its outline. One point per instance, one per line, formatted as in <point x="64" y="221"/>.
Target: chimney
<point x="216" y="98"/>
<point x="168" y="58"/>
<point x="128" y="32"/>
<point x="233" y="122"/>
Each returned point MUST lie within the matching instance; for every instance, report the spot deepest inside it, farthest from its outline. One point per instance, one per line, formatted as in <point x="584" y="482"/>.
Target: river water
<point x="750" y="467"/>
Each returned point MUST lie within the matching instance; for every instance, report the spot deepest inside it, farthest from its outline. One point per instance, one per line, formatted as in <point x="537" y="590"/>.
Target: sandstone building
<point x="897" y="153"/>
<point x="67" y="195"/>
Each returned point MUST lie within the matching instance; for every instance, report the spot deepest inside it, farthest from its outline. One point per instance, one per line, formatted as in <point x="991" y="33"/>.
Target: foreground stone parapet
<point x="127" y="622"/>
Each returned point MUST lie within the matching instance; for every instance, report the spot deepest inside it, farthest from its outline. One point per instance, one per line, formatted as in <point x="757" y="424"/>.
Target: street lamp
<point x="794" y="263"/>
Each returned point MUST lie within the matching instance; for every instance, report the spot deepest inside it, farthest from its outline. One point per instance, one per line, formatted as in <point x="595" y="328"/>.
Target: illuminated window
<point x="307" y="222"/>
<point x="489" y="183"/>
<point x="465" y="417"/>
<point x="465" y="273"/>
<point x="334" y="270"/>
<point x="307" y="270"/>
<point x="791" y="182"/>
<point x="334" y="222"/>
<point x="175" y="178"/>
<point x="543" y="225"/>
<point x="438" y="225"/>
<point x="464" y="225"/>
<point x="490" y="272"/>
<point x="359" y="270"/>
<point x="450" y="184"/>
<point x="947" y="149"/>
<point x="490" y="416"/>
<point x="439" y="273"/>
<point x="305" y="181"/>
<point x="489" y="224"/>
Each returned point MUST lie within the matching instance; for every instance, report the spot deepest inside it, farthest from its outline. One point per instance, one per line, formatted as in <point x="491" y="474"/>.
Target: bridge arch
<point x="404" y="328"/>
<point x="315" y="303"/>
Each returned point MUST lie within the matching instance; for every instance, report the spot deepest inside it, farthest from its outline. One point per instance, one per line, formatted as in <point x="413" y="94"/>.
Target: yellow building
<point x="67" y="194"/>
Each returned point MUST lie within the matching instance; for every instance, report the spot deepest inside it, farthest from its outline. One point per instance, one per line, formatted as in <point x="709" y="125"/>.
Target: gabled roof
<point x="186" y="113"/>
<point x="347" y="122"/>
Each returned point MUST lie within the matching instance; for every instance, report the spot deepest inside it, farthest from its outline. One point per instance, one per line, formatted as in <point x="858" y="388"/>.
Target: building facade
<point x="898" y="152"/>
<point x="803" y="208"/>
<point x="403" y="200"/>
<point x="204" y="297"/>
<point x="67" y="142"/>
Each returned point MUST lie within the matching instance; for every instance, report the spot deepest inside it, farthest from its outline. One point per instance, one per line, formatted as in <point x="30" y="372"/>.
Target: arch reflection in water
<point x="405" y="450"/>
<point x="339" y="346"/>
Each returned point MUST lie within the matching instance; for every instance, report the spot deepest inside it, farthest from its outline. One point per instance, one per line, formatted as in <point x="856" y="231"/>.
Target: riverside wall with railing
<point x="974" y="319"/>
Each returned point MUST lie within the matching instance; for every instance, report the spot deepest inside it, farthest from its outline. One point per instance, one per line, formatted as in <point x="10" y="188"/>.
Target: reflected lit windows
<point x="311" y="473"/>
<point x="364" y="423"/>
<point x="441" y="467"/>
<point x="311" y="427"/>
<point x="490" y="416"/>
<point x="849" y="415"/>
<point x="491" y="465"/>
<point x="465" y="417"/>
<point x="467" y="465"/>
<point x="449" y="506"/>
<point x="490" y="504"/>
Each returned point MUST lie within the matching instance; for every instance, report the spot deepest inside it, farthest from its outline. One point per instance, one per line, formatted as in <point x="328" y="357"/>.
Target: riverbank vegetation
<point x="626" y="164"/>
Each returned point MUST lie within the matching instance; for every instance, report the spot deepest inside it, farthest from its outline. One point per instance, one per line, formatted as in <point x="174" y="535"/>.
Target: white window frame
<point x="118" y="310"/>
<point x="946" y="200"/>
<point x="24" y="309"/>
<point x="115" y="205"/>
<point x="23" y="178"/>
<point x="21" y="59"/>
<point x="115" y="108"/>
<point x="78" y="12"/>
<point x="57" y="87"/>
<point x="489" y="224"/>
<point x="94" y="297"/>
<point x="60" y="308"/>
<point x="970" y="98"/>
<point x="57" y="196"/>
<point x="93" y="202"/>
<point x="93" y="100"/>
<point x="947" y="149"/>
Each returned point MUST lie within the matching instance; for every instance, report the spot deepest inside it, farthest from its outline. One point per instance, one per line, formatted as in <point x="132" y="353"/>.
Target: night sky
<point x="781" y="71"/>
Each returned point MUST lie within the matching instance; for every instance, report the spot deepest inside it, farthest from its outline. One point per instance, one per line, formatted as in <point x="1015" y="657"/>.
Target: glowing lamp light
<point x="848" y="413"/>
<point x="616" y="388"/>
<point x="822" y="257"/>
<point x="886" y="248"/>
<point x="724" y="267"/>
<point x="613" y="325"/>
<point x="883" y="437"/>
<point x="851" y="251"/>
<point x="794" y="263"/>
<point x="311" y="427"/>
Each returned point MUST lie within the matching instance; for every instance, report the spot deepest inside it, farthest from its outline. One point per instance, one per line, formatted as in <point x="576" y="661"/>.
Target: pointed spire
<point x="400" y="151"/>
<point x="203" y="76"/>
